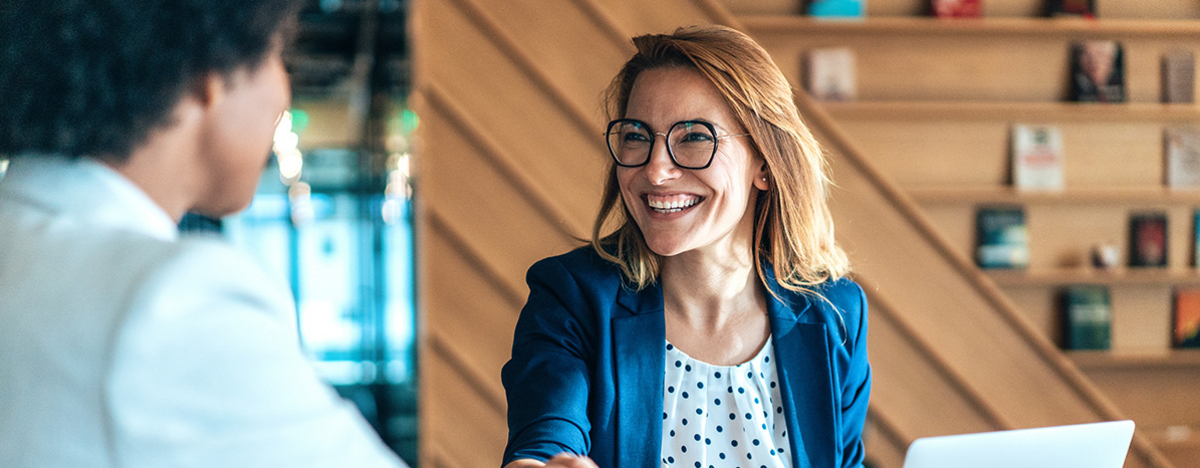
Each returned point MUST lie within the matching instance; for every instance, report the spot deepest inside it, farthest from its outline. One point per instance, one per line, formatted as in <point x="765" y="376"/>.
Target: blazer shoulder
<point x="842" y="292"/>
<point x="582" y="264"/>
<point x="839" y="301"/>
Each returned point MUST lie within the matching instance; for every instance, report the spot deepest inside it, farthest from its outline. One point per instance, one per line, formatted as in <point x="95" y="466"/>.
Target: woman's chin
<point x="666" y="248"/>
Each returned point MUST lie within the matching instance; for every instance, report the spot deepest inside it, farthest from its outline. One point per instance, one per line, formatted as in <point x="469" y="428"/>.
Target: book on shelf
<point x="1084" y="8"/>
<point x="829" y="74"/>
<point x="1037" y="157"/>
<point x="1097" y="71"/>
<point x="1179" y="77"/>
<point x="837" y="9"/>
<point x="1087" y="318"/>
<point x="1148" y="240"/>
<point x="1196" y="238"/>
<point x="1003" y="241"/>
<point x="1186" y="319"/>
<point x="1181" y="146"/>
<point x="957" y="8"/>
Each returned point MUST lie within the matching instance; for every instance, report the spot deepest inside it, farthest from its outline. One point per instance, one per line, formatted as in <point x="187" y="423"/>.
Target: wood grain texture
<point x="1005" y="60"/>
<point x="510" y="164"/>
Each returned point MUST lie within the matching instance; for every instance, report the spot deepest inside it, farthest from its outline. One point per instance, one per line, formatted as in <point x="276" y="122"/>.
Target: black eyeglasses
<point x="691" y="143"/>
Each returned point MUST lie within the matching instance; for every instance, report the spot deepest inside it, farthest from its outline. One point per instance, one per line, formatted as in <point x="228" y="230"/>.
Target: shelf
<point x="1027" y="111"/>
<point x="1009" y="195"/>
<point x="1015" y="27"/>
<point x="1069" y="276"/>
<point x="1107" y="360"/>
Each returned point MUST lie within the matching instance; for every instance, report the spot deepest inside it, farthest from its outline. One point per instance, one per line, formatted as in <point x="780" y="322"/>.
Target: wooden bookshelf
<point x="1116" y="276"/>
<point x="936" y="101"/>
<point x="1031" y="111"/>
<point x="1069" y="196"/>
<point x="1012" y="27"/>
<point x="1177" y="359"/>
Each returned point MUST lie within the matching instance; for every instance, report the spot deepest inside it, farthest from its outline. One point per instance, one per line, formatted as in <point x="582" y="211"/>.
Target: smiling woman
<point x="719" y="299"/>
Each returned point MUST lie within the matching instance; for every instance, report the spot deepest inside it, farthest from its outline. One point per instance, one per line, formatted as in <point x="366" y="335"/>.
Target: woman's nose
<point x="660" y="168"/>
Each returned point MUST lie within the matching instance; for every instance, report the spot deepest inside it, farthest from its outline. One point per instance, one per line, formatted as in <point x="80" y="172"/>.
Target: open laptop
<point x="1098" y="445"/>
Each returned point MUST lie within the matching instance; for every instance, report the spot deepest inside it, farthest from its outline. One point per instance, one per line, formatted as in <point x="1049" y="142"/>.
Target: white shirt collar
<point x="88" y="191"/>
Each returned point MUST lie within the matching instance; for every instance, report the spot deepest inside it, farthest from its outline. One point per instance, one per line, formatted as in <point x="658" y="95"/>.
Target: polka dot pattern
<point x="735" y="413"/>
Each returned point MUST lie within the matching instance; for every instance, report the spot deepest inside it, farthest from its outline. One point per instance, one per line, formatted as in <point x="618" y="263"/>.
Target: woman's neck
<point x="706" y="290"/>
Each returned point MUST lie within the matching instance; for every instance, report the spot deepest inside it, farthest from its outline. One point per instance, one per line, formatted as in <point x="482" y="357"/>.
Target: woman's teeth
<point x="672" y="206"/>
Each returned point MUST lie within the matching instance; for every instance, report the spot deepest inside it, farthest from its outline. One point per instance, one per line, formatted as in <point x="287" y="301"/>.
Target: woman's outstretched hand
<point x="562" y="460"/>
<point x="567" y="460"/>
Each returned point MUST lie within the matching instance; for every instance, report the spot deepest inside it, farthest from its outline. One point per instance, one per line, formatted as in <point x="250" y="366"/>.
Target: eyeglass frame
<point x="711" y="128"/>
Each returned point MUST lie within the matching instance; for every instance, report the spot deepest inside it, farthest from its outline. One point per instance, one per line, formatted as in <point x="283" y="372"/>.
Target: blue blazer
<point x="586" y="374"/>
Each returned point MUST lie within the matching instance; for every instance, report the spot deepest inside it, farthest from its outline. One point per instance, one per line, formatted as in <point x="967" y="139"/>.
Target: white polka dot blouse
<point x="723" y="416"/>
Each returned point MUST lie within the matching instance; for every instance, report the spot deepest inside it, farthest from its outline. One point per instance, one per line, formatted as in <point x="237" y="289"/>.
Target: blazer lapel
<point x="639" y="348"/>
<point x="802" y="361"/>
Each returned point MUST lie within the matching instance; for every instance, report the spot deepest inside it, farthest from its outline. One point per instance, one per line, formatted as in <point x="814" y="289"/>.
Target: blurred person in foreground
<point x="120" y="344"/>
<point x="710" y="323"/>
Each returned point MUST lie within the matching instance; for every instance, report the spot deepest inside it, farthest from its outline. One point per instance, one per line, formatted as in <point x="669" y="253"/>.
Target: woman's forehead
<point x="662" y="96"/>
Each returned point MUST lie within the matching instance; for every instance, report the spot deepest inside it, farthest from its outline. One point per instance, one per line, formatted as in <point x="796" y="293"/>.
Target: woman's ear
<point x="209" y="89"/>
<point x="762" y="178"/>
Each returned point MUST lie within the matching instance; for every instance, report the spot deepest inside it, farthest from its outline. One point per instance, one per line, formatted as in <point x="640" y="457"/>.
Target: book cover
<point x="837" y="8"/>
<point x="1181" y="146"/>
<point x="1148" y="240"/>
<point x="1186" y="319"/>
<point x="1097" y="71"/>
<point x="1179" y="77"/>
<point x="1084" y="8"/>
<point x="1003" y="241"/>
<point x="1087" y="318"/>
<point x="829" y="74"/>
<point x="957" y="8"/>
<point x="1196" y="238"/>
<point x="1037" y="157"/>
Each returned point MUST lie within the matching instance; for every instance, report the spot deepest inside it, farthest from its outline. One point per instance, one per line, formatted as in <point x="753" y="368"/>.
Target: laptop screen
<point x="1097" y="445"/>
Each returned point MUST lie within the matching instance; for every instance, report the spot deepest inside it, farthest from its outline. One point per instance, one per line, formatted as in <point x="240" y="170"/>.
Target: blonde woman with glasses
<point x="710" y="322"/>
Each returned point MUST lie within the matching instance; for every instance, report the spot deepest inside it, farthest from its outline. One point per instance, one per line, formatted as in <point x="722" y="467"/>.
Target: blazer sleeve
<point x="856" y="379"/>
<point x="207" y="371"/>
<point x="547" y="380"/>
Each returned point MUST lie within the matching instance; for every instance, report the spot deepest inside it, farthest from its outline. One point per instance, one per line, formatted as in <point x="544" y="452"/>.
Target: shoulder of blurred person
<point x="119" y="344"/>
<point x="123" y="346"/>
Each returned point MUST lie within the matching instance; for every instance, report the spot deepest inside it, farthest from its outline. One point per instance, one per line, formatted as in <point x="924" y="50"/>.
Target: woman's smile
<point x="667" y="204"/>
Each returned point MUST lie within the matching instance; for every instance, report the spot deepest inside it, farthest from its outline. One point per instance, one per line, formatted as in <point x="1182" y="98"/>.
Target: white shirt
<point x="122" y="346"/>
<point x="719" y="416"/>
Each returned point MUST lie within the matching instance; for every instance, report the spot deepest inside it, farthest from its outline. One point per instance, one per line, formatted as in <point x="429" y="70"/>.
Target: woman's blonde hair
<point x="793" y="229"/>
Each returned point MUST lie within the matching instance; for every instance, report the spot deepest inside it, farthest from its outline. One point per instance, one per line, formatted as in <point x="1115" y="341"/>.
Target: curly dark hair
<point x="96" y="77"/>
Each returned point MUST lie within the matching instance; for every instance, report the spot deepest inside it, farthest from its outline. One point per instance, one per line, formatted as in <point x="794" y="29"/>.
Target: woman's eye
<point x="697" y="137"/>
<point x="636" y="137"/>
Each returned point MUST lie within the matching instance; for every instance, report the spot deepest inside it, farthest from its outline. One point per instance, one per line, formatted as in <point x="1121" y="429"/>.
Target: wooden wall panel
<point x="662" y="17"/>
<point x="908" y="385"/>
<point x="883" y="450"/>
<point x="470" y="428"/>
<point x="487" y="211"/>
<point x="559" y="46"/>
<point x="515" y="112"/>
<point x="480" y="323"/>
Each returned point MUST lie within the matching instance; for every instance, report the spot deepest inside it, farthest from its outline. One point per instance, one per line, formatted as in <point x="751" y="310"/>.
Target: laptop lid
<point x="1097" y="445"/>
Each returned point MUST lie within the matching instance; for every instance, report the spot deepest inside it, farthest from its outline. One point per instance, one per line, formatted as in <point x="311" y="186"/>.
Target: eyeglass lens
<point x="691" y="144"/>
